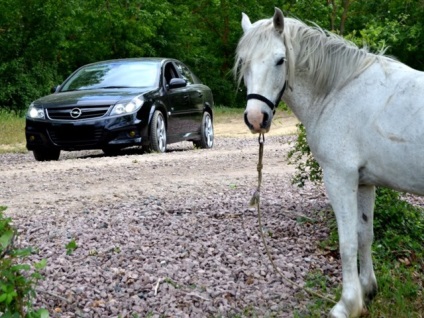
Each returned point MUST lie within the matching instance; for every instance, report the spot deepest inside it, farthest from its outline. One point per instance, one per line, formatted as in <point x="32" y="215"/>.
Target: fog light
<point x="132" y="133"/>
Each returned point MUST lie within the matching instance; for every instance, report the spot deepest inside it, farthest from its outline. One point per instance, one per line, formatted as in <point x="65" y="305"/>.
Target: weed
<point x="71" y="247"/>
<point x="17" y="279"/>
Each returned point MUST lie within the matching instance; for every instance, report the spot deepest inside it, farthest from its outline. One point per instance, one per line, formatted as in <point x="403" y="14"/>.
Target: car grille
<point x="86" y="112"/>
<point x="75" y="136"/>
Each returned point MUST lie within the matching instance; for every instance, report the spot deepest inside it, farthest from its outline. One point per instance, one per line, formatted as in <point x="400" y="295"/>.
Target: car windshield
<point x="114" y="75"/>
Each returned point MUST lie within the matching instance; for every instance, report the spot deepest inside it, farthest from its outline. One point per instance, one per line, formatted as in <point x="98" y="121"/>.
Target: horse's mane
<point x="329" y="59"/>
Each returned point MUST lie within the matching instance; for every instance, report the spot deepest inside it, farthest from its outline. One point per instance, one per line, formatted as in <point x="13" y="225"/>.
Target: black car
<point x="110" y="105"/>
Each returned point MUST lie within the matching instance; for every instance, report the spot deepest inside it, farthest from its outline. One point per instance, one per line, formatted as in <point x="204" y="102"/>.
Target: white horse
<point x="364" y="118"/>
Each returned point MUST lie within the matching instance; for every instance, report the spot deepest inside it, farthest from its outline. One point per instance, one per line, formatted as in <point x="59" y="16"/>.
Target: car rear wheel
<point x="206" y="133"/>
<point x="46" y="154"/>
<point x="157" y="132"/>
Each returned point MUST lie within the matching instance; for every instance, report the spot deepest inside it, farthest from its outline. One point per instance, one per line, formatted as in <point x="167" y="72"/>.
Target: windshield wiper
<point x="108" y="87"/>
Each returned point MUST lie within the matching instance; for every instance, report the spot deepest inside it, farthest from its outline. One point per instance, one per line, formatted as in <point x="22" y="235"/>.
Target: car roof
<point x="159" y="60"/>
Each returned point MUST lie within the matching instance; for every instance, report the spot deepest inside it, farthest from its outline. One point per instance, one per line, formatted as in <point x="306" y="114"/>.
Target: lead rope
<point x="255" y="201"/>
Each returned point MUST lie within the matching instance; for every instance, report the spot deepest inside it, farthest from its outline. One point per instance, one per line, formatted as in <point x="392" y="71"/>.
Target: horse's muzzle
<point x="258" y="126"/>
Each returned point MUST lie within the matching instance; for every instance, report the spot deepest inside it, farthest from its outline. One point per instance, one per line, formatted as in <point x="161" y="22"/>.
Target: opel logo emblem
<point x="75" y="113"/>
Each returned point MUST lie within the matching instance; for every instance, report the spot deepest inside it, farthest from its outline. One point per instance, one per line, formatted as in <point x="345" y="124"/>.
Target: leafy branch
<point x="17" y="279"/>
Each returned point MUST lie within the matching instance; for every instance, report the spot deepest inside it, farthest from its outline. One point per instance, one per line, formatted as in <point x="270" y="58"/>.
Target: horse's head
<point x="261" y="63"/>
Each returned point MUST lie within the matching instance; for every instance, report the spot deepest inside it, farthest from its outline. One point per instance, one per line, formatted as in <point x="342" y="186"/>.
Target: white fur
<point x="364" y="117"/>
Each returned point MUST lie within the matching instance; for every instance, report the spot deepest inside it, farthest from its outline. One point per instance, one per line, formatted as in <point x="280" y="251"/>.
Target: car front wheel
<point x="157" y="132"/>
<point x="206" y="133"/>
<point x="46" y="154"/>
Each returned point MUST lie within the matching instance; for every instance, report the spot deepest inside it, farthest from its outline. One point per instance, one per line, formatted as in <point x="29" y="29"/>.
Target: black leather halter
<point x="270" y="104"/>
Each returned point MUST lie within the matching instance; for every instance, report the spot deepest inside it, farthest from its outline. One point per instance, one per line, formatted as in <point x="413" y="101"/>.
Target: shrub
<point x="17" y="279"/>
<point x="307" y="169"/>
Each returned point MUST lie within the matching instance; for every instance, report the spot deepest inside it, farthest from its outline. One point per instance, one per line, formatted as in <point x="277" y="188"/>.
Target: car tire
<point x="157" y="133"/>
<point x="206" y="133"/>
<point x="46" y="154"/>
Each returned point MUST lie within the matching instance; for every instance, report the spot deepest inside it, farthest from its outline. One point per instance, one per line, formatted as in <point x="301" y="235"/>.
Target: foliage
<point x="17" y="279"/>
<point x="398" y="228"/>
<point x="301" y="156"/>
<point x="395" y="24"/>
<point x="43" y="41"/>
<point x="71" y="247"/>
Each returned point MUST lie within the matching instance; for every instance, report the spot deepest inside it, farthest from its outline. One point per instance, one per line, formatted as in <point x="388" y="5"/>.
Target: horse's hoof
<point x="338" y="311"/>
<point x="370" y="295"/>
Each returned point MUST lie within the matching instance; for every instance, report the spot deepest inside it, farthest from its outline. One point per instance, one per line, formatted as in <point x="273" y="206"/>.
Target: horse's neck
<point x="300" y="98"/>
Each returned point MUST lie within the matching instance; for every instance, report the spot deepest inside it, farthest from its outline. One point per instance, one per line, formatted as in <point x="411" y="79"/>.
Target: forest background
<point x="43" y="41"/>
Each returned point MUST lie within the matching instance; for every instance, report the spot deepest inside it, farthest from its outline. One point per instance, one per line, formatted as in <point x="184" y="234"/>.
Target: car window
<point x="169" y="73"/>
<point x="185" y="73"/>
<point x="114" y="75"/>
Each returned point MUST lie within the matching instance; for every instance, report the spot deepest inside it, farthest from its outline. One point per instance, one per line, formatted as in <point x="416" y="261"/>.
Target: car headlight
<point x="35" y="112"/>
<point x="127" y="108"/>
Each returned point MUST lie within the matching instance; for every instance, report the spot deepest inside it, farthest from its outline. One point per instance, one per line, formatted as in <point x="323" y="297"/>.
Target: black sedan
<point x="110" y="105"/>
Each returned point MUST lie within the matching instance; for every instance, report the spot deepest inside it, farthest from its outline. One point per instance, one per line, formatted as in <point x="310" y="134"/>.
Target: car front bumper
<point x="117" y="132"/>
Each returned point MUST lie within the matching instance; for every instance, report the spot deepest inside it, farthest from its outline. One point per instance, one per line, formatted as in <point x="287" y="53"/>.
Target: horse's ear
<point x="278" y="20"/>
<point x="245" y="22"/>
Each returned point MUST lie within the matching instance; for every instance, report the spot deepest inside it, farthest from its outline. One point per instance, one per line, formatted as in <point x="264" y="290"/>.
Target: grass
<point x="400" y="293"/>
<point x="12" y="132"/>
<point x="221" y="113"/>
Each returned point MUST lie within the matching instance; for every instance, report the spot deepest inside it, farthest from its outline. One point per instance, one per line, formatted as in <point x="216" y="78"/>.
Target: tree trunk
<point x="346" y="4"/>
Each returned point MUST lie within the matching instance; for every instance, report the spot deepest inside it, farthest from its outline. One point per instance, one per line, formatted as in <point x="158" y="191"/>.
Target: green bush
<point x="307" y="169"/>
<point x="17" y="279"/>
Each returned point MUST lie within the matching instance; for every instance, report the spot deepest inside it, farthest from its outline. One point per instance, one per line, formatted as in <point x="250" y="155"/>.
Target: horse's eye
<point x="281" y="61"/>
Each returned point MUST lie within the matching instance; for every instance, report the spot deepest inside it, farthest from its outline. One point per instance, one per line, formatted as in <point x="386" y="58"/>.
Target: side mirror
<point x="54" y="89"/>
<point x="177" y="83"/>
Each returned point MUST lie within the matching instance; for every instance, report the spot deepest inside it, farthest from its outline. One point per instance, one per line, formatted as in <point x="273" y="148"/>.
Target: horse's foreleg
<point x="342" y="190"/>
<point x="366" y="199"/>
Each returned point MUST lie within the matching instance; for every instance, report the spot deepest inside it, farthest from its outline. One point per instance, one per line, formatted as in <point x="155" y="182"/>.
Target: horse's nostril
<point x="265" y="119"/>
<point x="246" y="121"/>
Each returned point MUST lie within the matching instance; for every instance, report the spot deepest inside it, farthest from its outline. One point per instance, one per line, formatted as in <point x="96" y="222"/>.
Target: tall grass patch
<point x="223" y="112"/>
<point x="12" y="132"/>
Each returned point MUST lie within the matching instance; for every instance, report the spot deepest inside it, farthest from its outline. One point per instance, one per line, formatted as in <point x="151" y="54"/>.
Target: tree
<point x="29" y="37"/>
<point x="43" y="41"/>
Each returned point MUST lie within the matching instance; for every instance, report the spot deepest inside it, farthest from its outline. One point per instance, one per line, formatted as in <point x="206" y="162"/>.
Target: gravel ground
<point x="169" y="235"/>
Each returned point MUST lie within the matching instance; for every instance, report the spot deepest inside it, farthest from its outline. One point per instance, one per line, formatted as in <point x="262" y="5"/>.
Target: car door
<point x="179" y="104"/>
<point x="195" y="91"/>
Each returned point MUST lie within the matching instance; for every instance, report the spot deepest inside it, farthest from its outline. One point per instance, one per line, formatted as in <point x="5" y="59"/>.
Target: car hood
<point x="91" y="97"/>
